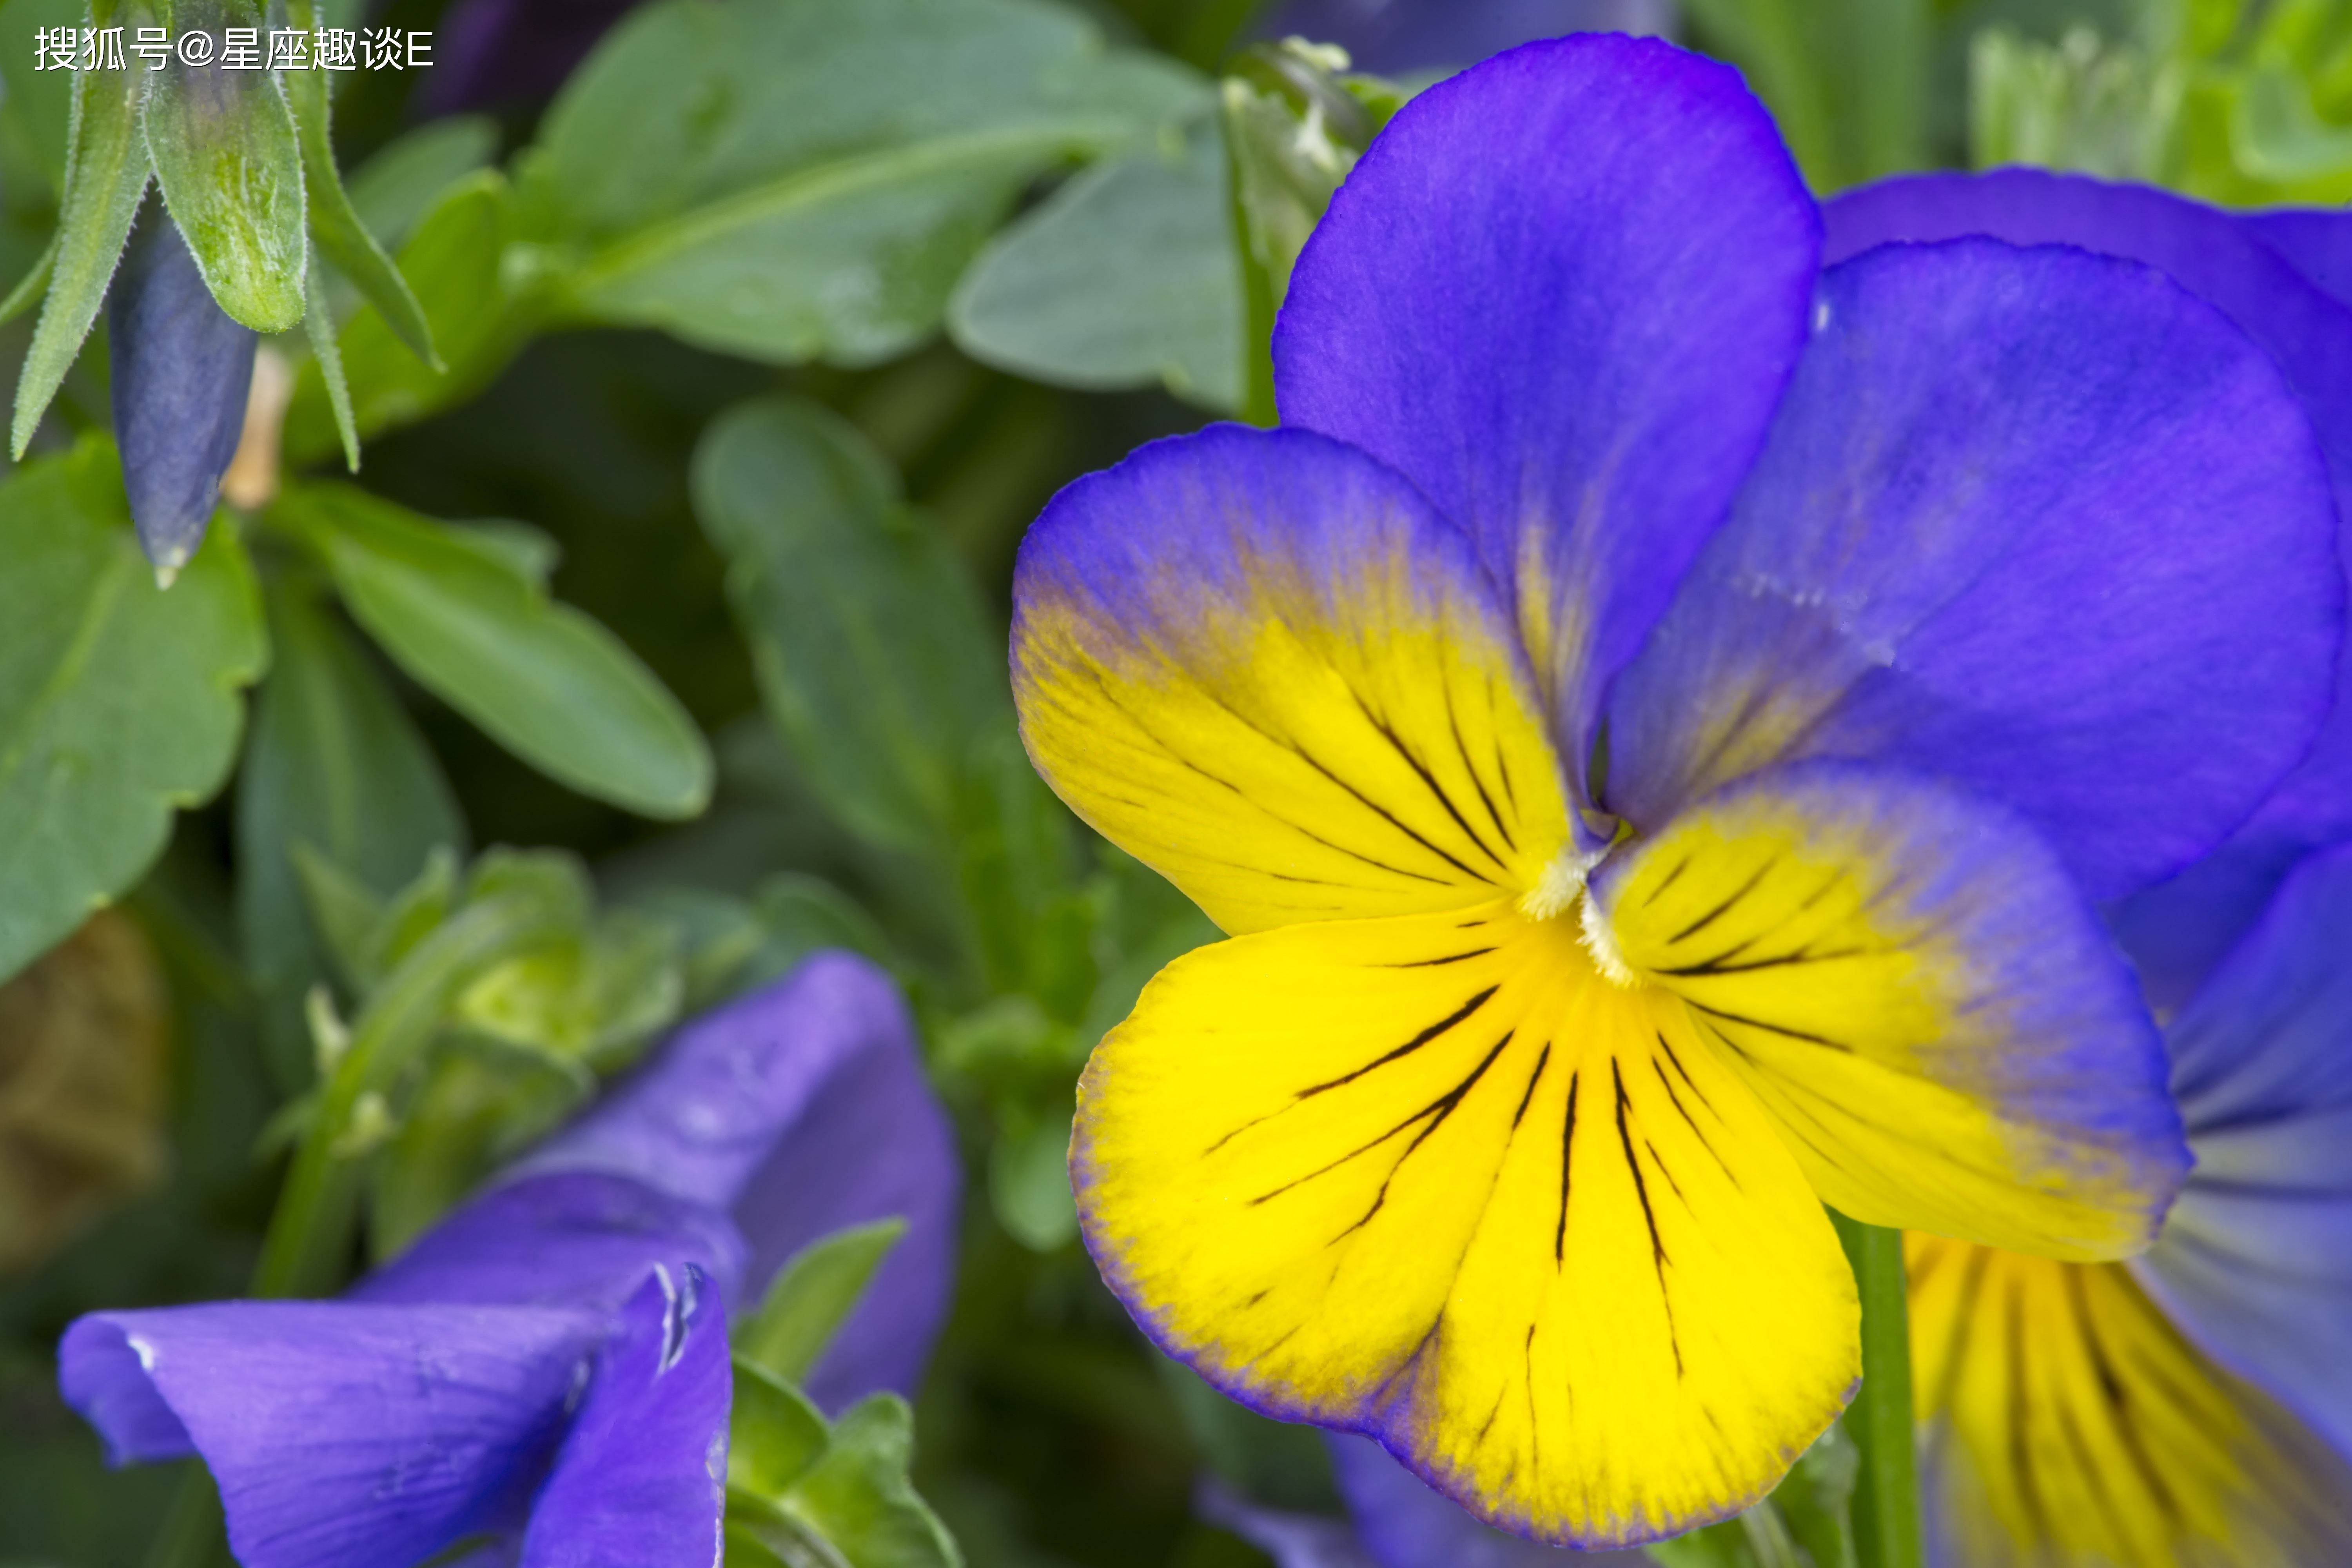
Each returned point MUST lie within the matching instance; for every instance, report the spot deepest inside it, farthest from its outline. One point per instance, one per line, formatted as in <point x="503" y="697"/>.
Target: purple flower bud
<point x="180" y="368"/>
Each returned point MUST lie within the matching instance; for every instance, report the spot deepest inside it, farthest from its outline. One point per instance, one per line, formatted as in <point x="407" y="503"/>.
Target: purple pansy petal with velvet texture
<point x="2255" y="1260"/>
<point x="574" y="1238"/>
<point x="2178" y="929"/>
<point x="642" y="1479"/>
<point x="368" y="1437"/>
<point x="2036" y="520"/>
<point x="2315" y="242"/>
<point x="1562" y="293"/>
<point x="799" y="1109"/>
<point x="1403" y="1524"/>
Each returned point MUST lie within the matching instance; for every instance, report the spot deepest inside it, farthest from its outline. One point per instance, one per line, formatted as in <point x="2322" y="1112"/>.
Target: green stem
<point x="190" y="1535"/>
<point x="310" y="1234"/>
<point x="1259" y="301"/>
<point x="1886" y="1494"/>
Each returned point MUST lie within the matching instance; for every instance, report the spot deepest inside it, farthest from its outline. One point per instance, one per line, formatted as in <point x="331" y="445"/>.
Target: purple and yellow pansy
<point x="1653" y="721"/>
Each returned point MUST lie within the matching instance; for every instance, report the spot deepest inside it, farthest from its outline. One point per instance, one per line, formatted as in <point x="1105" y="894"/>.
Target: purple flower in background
<point x="180" y="369"/>
<point x="548" y="1367"/>
<point x="2284" y="279"/>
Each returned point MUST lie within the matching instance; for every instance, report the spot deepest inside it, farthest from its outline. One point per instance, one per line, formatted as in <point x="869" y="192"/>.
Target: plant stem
<point x="1886" y="1494"/>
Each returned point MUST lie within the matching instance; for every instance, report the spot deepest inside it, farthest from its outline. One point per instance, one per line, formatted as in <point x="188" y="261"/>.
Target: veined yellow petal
<point x="2067" y="1424"/>
<point x="1432" y="1178"/>
<point x="1257" y="662"/>
<point x="1912" y="987"/>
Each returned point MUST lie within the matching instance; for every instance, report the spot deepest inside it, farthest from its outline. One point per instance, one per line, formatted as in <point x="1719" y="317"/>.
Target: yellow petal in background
<point x="2068" y="1423"/>
<point x="1912" y="987"/>
<point x="1432" y="1177"/>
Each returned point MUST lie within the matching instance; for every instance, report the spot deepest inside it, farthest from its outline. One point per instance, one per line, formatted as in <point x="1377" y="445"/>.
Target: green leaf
<point x="42" y="100"/>
<point x="858" y="1496"/>
<point x="336" y="764"/>
<point x="119" y="701"/>
<point x="393" y="191"/>
<point x="797" y="914"/>
<point x="796" y="181"/>
<point x="544" y="680"/>
<point x="774" y="1433"/>
<point x="319" y="327"/>
<point x="811" y="1297"/>
<point x="480" y="317"/>
<point x="106" y="177"/>
<point x="336" y="225"/>
<point x="226" y="155"/>
<point x="32" y="285"/>
<point x="873" y="657"/>
<point x="1127" y="277"/>
<point x="1816" y="1501"/>
<point x="1029" y="1187"/>
<point x="1847" y="80"/>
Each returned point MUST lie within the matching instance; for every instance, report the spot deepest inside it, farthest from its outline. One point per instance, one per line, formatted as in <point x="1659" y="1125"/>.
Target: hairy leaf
<point x="226" y="155"/>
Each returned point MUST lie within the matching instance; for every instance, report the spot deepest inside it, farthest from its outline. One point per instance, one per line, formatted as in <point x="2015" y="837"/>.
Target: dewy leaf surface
<point x="119" y="701"/>
<point x="541" y="679"/>
<point x="791" y="182"/>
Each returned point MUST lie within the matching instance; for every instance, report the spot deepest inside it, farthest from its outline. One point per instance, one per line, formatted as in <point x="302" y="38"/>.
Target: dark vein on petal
<point x="1462" y="748"/>
<point x="1435" y="963"/>
<point x="1567" y="1153"/>
<point x="1768" y="1028"/>
<point x="1451" y="1101"/>
<point x="1725" y="907"/>
<point x="1412" y="1045"/>
<point x="1658" y="1258"/>
<point x="1534" y="1078"/>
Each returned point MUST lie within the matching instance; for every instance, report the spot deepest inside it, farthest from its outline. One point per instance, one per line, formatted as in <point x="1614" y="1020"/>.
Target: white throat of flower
<point x="1563" y="887"/>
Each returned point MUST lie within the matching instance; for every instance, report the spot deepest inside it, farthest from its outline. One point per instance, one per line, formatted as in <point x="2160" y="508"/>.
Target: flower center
<point x="1563" y="888"/>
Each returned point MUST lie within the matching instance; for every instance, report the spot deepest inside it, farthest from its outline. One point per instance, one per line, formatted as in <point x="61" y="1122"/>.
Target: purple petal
<point x="2035" y="520"/>
<point x="180" y="369"/>
<point x="1562" y="293"/>
<point x="1404" y="1524"/>
<point x="2256" y="1259"/>
<point x="2177" y="931"/>
<point x="1292" y="1540"/>
<point x="362" y="1436"/>
<point x="799" y="1109"/>
<point x="577" y="1238"/>
<point x="641" y="1483"/>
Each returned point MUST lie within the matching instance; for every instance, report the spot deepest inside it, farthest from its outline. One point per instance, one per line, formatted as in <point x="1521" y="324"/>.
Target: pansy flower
<point x="2195" y="1407"/>
<point x="2191" y="1408"/>
<point x="2284" y="278"/>
<point x="1651" y="722"/>
<point x="545" y="1372"/>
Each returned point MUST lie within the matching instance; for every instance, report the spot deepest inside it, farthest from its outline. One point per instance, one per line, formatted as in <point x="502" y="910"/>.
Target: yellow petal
<point x="2067" y="1424"/>
<point x="1432" y="1178"/>
<point x="1257" y="663"/>
<point x="1912" y="987"/>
